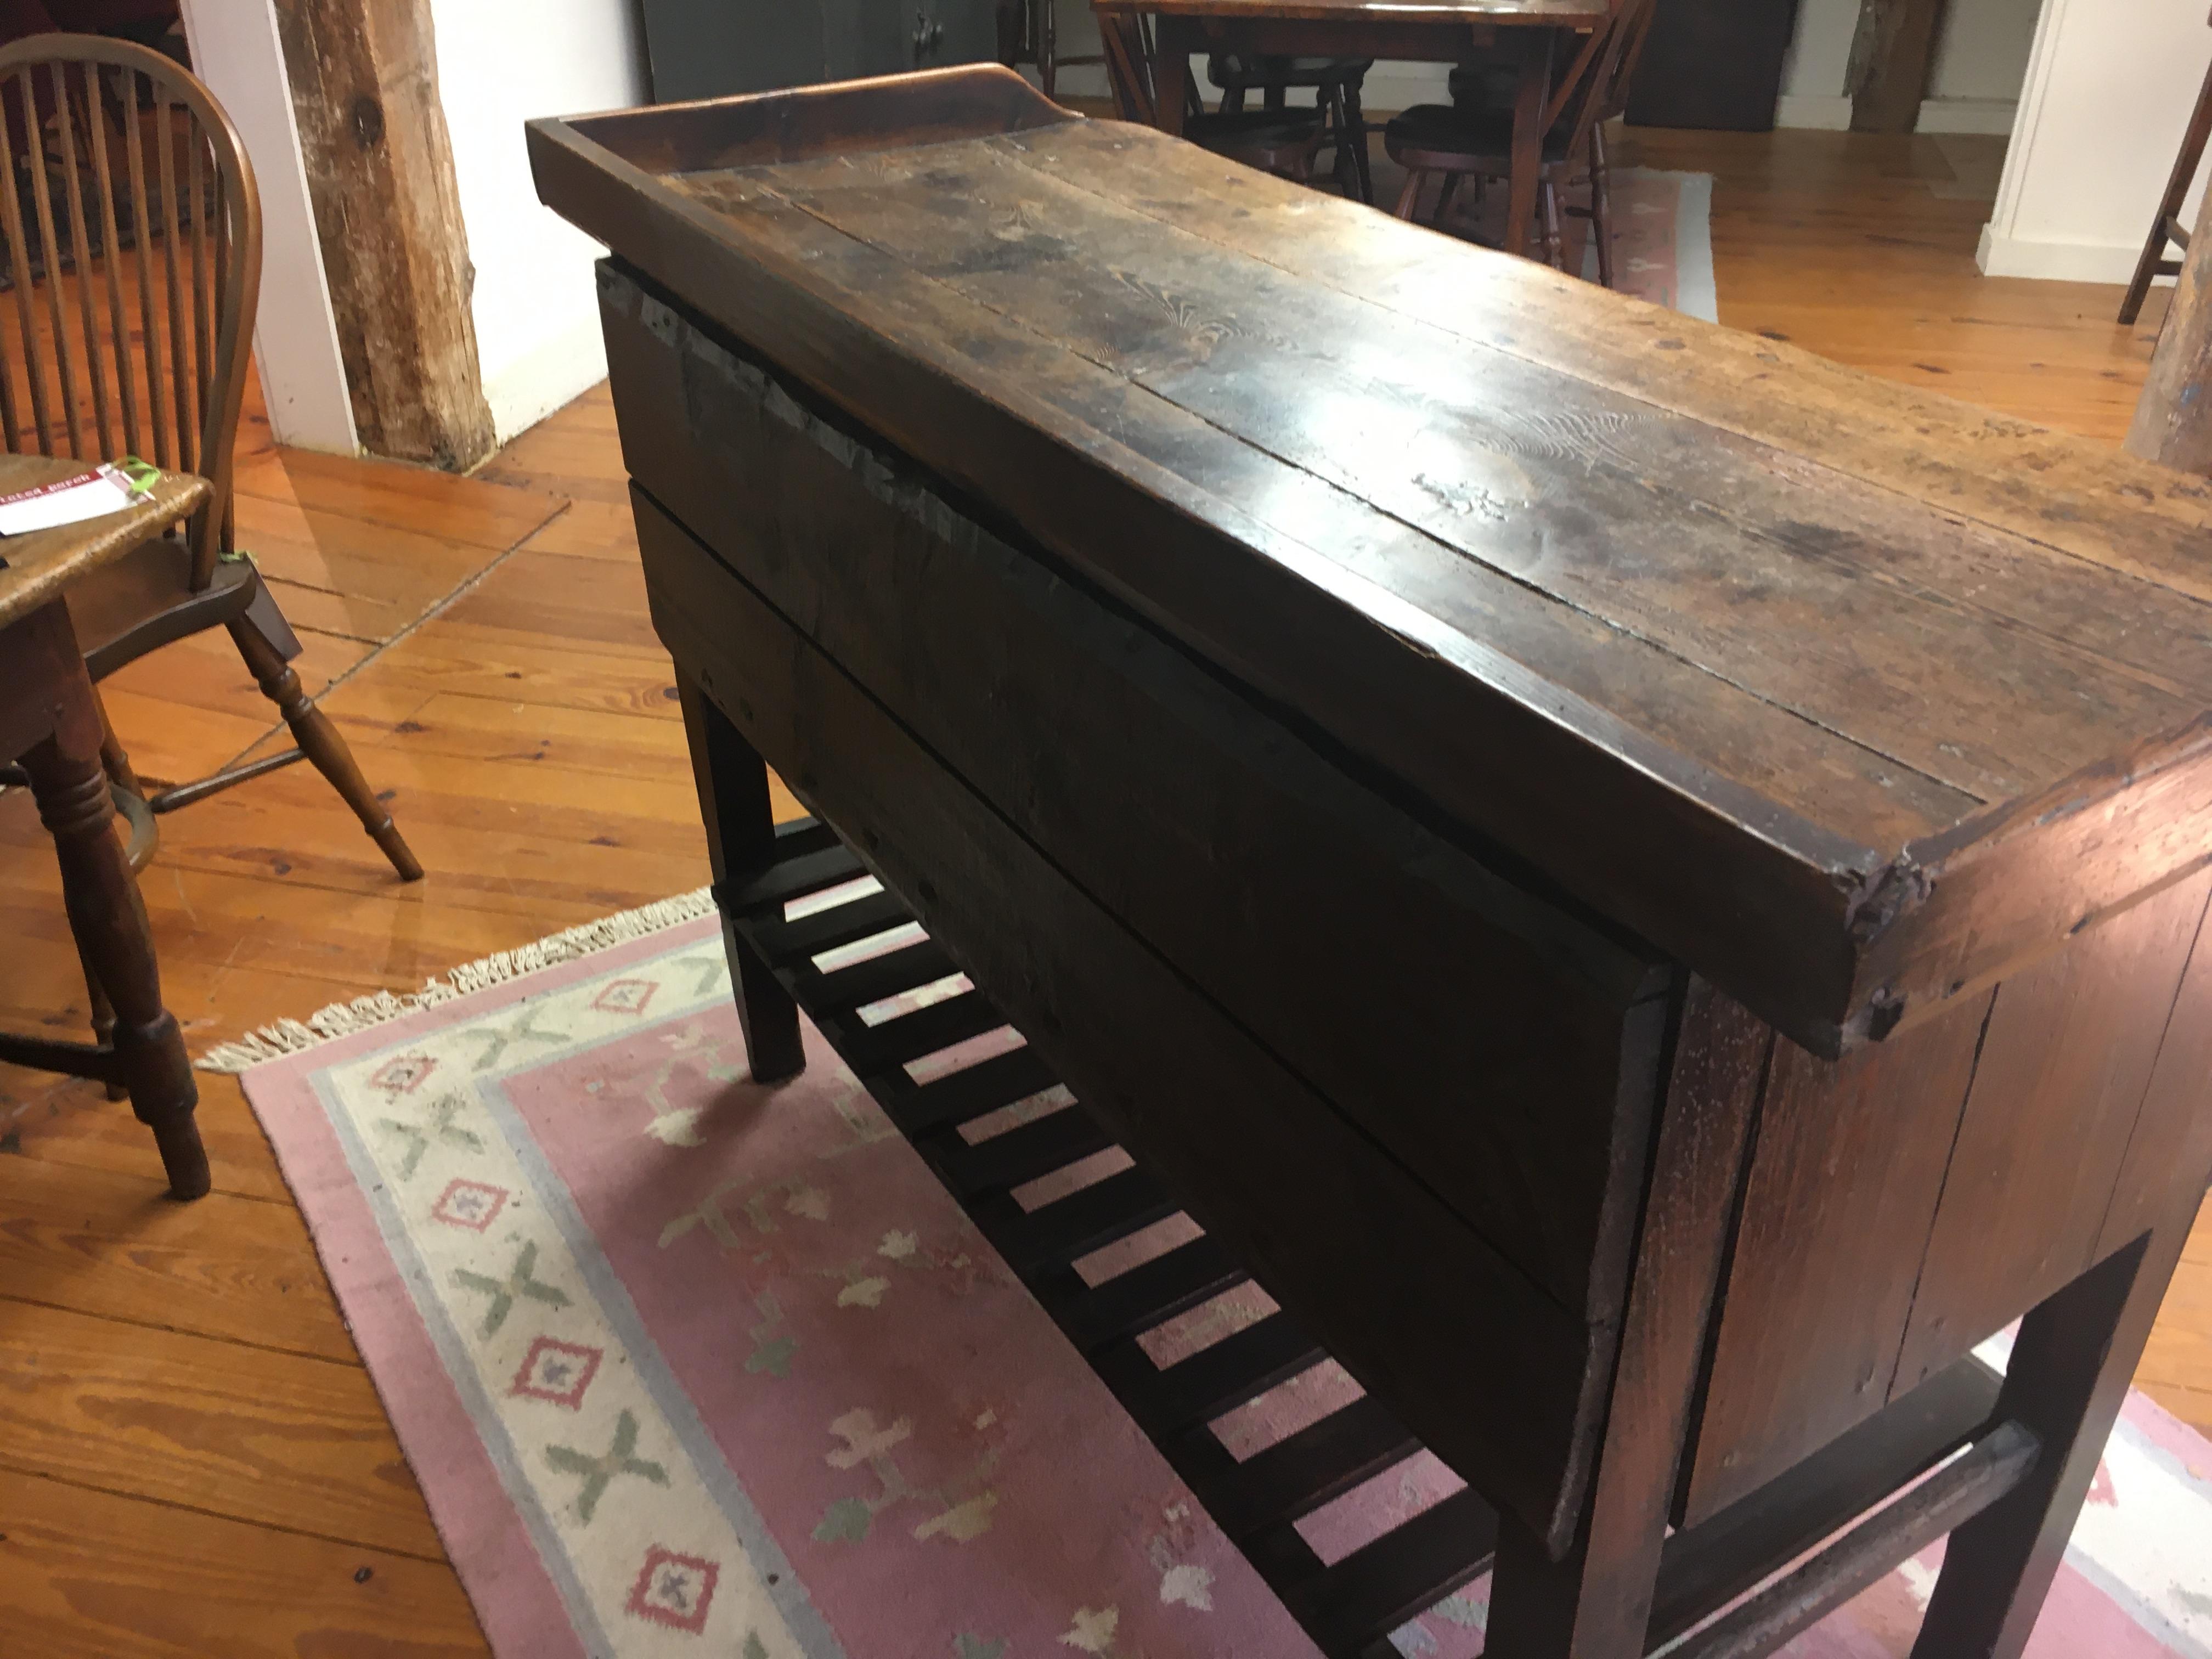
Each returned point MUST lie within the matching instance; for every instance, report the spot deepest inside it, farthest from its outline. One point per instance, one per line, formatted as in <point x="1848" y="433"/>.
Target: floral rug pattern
<point x="687" y="1365"/>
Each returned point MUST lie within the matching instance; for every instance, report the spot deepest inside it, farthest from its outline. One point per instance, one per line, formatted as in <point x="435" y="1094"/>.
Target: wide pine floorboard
<point x="192" y="1458"/>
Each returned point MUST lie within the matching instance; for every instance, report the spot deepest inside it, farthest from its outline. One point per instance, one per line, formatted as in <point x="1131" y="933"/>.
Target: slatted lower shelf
<point x="1348" y="1606"/>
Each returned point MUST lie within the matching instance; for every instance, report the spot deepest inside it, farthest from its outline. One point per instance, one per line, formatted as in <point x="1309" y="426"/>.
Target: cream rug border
<point x="341" y="1019"/>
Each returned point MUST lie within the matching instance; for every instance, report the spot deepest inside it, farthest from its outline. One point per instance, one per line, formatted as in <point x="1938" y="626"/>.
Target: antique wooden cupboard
<point x="1649" y="887"/>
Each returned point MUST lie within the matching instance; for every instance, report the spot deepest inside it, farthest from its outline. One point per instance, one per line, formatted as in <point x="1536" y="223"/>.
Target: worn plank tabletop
<point x="1851" y="696"/>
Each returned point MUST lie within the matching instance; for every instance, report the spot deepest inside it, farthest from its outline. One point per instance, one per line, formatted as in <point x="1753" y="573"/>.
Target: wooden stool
<point x="51" y="726"/>
<point x="2166" y="228"/>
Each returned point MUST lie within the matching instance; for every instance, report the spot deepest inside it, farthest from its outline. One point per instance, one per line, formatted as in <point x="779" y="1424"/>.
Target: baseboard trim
<point x="1820" y="114"/>
<point x="526" y="389"/>
<point x="1983" y="115"/>
<point x="2055" y="262"/>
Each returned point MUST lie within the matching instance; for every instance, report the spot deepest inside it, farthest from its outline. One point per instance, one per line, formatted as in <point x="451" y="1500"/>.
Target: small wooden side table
<point x="50" y="724"/>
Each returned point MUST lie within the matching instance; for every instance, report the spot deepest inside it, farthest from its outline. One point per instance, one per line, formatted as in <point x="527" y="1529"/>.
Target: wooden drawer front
<point x="1506" y="1385"/>
<point x="1502" y="1048"/>
<point x="1913" y="1199"/>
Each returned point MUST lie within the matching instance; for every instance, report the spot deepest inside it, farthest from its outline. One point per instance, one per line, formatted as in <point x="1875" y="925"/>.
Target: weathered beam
<point x="380" y="168"/>
<point x="1891" y="57"/>
<point x="2173" y="418"/>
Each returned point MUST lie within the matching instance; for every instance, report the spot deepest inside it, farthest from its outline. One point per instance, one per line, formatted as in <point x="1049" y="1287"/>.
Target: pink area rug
<point x="686" y="1365"/>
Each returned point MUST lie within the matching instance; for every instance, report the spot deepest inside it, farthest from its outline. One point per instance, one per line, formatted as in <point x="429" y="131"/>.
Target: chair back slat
<point x="152" y="173"/>
<point x="202" y="288"/>
<point x="42" y="209"/>
<point x="134" y="433"/>
<point x="1582" y="96"/>
<point x="11" y="218"/>
<point x="182" y="369"/>
<point x="1129" y="65"/>
<point x="69" y="109"/>
<point x="157" y="402"/>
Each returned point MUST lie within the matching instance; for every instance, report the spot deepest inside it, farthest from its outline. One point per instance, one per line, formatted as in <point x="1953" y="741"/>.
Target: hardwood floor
<point x="191" y="1459"/>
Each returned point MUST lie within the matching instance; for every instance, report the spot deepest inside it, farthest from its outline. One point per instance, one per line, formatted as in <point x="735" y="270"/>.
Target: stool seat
<point x="1450" y="129"/>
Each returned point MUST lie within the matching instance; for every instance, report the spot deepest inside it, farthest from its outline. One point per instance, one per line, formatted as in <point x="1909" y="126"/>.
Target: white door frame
<point x="236" y="50"/>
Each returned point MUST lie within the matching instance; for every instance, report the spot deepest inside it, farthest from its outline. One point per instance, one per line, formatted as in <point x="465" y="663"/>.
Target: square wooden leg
<point x="733" y="801"/>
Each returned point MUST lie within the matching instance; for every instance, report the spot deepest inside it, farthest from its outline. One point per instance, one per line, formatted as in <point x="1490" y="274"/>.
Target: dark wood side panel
<point x="1503" y="1049"/>
<point x="2171" y="1152"/>
<point x="1357" y="1249"/>
<point x="2062" y="1079"/>
<point x="1845" y="1175"/>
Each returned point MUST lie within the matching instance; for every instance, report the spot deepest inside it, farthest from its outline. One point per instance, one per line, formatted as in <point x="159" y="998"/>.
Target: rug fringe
<point x="341" y="1019"/>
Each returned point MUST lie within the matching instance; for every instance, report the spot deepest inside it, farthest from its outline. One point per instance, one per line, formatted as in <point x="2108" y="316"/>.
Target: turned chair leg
<point x="103" y="1022"/>
<point x="1355" y="134"/>
<point x="319" y="741"/>
<point x="1445" y="191"/>
<point x="1555" y="242"/>
<point x="109" y="923"/>
<point x="1409" y="195"/>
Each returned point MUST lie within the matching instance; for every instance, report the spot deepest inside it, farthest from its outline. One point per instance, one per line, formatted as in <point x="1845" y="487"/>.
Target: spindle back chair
<point x="131" y="228"/>
<point x="1283" y="142"/>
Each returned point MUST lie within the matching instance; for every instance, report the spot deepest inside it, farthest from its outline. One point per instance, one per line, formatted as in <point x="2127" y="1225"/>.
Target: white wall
<point x="1981" y="59"/>
<point x="295" y="344"/>
<point x="535" y="309"/>
<point x="2109" y="91"/>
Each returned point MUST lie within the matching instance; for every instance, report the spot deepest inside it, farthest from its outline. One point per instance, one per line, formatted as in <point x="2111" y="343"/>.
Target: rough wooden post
<point x="1891" y="57"/>
<point x="380" y="168"/>
<point x="2174" y="419"/>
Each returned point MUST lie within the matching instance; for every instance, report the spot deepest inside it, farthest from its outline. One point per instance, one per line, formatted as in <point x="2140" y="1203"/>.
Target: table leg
<point x="1532" y="47"/>
<point x="1171" y="71"/>
<point x="2070" y="1368"/>
<point x="108" y="921"/>
<point x="1597" y="1603"/>
<point x="733" y="801"/>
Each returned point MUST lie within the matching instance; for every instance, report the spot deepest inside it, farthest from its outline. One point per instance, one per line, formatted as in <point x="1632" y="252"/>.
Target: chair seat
<point x="144" y="600"/>
<point x="1274" y="70"/>
<point x="1484" y="135"/>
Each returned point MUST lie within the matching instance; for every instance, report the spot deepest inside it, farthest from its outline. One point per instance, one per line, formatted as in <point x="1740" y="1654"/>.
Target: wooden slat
<point x="148" y="347"/>
<point x="909" y="1036"/>
<point x="1299" y="1474"/>
<point x="19" y="254"/>
<point x="86" y="101"/>
<point x="42" y="208"/>
<point x="1405" y="1571"/>
<point x="1021" y="1154"/>
<point x="792" y="878"/>
<point x="902" y="970"/>
<point x="971" y="1091"/>
<point x="1147" y="1295"/>
<point x="1217" y="1379"/>
<point x="793" y="942"/>
<point x="1054" y="1235"/>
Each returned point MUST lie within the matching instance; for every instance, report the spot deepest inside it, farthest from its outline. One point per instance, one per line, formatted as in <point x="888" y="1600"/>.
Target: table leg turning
<point x="109" y="922"/>
<point x="1532" y="49"/>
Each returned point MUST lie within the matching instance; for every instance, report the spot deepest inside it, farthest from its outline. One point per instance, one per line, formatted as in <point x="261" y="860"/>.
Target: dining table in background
<point x="1526" y="33"/>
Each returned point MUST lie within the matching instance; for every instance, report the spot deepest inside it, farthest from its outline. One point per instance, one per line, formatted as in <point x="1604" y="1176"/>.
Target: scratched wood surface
<point x="1895" y="693"/>
<point x="528" y="736"/>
